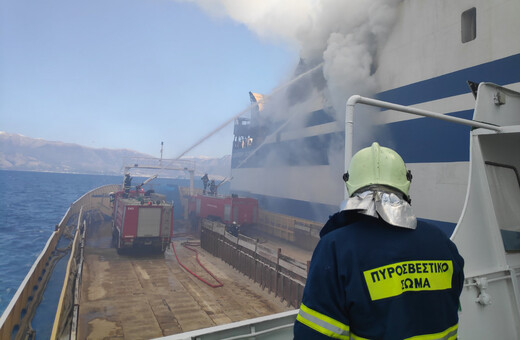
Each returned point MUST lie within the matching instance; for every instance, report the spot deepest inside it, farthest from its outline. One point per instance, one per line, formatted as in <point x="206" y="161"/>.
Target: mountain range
<point x="23" y="153"/>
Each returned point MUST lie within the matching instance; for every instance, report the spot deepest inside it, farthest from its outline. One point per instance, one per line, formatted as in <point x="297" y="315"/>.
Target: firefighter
<point x="213" y="188"/>
<point x="127" y="184"/>
<point x="377" y="272"/>
<point x="205" y="180"/>
<point x="234" y="229"/>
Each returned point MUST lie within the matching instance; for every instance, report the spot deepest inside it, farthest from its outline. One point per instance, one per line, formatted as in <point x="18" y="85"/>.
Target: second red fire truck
<point x="231" y="210"/>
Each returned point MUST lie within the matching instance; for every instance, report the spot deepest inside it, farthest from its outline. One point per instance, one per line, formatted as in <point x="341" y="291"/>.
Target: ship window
<point x="504" y="183"/>
<point x="469" y="25"/>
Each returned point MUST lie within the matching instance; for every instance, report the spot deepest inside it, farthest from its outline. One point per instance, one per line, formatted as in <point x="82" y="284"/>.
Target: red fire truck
<point x="232" y="210"/>
<point x="141" y="221"/>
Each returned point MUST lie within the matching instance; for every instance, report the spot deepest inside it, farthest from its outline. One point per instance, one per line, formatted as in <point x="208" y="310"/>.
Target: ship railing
<point x="66" y="301"/>
<point x="280" y="274"/>
<point x="357" y="99"/>
<point x="274" y="327"/>
<point x="15" y="320"/>
<point x="97" y="201"/>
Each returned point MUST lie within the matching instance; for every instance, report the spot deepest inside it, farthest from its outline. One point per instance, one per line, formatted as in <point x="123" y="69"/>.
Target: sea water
<point x="31" y="204"/>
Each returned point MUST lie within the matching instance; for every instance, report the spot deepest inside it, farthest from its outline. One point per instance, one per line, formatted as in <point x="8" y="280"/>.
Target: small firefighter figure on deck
<point x="127" y="183"/>
<point x="205" y="180"/>
<point x="213" y="188"/>
<point x="377" y="272"/>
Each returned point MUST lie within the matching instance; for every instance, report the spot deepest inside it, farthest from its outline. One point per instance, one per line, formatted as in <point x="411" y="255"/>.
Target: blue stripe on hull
<point x="427" y="140"/>
<point x="502" y="72"/>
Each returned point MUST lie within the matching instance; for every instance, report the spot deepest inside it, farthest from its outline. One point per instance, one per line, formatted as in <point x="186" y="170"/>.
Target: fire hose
<point x="186" y="245"/>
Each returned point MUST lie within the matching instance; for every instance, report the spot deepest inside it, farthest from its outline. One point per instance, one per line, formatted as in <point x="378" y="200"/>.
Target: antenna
<point x="160" y="161"/>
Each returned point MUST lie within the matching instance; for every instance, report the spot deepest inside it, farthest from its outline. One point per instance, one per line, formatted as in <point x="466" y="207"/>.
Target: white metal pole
<point x="192" y="172"/>
<point x="349" y="128"/>
<point x="425" y="113"/>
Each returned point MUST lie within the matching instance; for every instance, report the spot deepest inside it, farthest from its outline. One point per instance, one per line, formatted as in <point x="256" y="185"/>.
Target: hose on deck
<point x="186" y="245"/>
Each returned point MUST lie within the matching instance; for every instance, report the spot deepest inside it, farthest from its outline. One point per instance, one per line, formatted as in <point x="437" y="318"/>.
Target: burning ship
<point x="432" y="72"/>
<point x="290" y="156"/>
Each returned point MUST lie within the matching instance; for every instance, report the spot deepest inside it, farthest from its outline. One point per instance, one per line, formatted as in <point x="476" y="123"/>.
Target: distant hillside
<point x="18" y="152"/>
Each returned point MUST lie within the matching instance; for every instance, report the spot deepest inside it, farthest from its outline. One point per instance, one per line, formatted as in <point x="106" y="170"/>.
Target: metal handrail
<point x="357" y="99"/>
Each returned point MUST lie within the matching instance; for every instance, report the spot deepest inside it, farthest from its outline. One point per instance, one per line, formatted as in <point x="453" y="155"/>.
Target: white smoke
<point x="271" y="19"/>
<point x="344" y="35"/>
<point x="340" y="40"/>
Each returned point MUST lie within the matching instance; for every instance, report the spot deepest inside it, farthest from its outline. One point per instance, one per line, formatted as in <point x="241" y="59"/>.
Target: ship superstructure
<point x="432" y="52"/>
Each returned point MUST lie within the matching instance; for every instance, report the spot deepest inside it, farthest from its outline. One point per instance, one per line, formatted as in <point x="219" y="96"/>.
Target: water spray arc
<point x="163" y="167"/>
<point x="224" y="124"/>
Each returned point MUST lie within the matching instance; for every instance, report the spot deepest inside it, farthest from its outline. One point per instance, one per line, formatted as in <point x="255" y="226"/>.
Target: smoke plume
<point x="338" y="43"/>
<point x="343" y="35"/>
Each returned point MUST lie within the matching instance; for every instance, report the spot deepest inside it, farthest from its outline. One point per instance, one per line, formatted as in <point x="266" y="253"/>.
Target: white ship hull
<point x="424" y="64"/>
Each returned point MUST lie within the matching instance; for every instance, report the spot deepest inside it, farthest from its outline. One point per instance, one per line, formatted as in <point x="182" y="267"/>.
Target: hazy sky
<point x="131" y="73"/>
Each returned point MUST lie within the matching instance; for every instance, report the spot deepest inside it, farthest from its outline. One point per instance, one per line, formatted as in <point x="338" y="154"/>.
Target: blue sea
<point x="31" y="204"/>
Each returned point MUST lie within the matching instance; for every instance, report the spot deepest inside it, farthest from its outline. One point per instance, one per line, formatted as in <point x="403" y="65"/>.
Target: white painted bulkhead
<point x="426" y="42"/>
<point x="490" y="300"/>
<point x="426" y="39"/>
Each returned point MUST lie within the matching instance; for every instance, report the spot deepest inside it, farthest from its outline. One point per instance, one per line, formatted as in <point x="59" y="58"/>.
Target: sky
<point x="134" y="73"/>
<point x="130" y="74"/>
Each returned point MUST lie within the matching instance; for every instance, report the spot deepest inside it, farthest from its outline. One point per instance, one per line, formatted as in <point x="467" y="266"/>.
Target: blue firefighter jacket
<point x="371" y="280"/>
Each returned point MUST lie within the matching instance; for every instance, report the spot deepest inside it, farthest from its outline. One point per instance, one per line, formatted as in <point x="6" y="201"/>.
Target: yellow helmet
<point x="377" y="165"/>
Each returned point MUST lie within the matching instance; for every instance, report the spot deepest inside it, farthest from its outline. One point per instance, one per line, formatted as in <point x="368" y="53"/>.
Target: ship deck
<point x="146" y="296"/>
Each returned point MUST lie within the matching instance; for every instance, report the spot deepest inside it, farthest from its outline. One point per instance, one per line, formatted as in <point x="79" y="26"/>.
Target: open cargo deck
<point x="141" y="296"/>
<point x="147" y="296"/>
